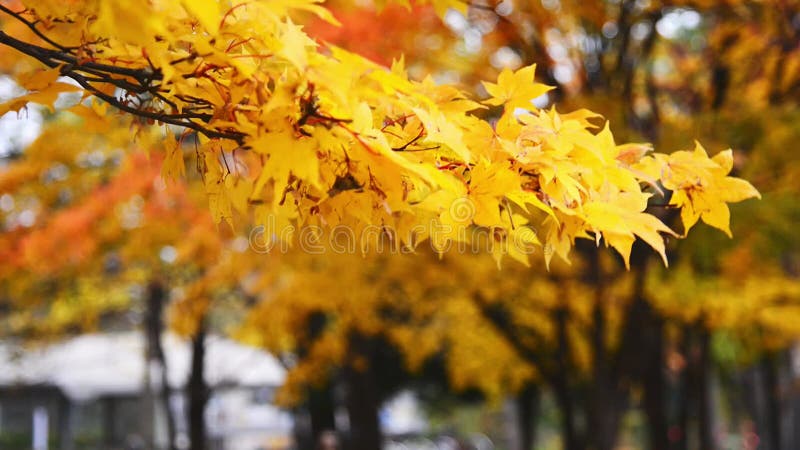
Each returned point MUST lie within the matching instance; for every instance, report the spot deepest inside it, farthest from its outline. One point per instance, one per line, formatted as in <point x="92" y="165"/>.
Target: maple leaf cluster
<point x="300" y="134"/>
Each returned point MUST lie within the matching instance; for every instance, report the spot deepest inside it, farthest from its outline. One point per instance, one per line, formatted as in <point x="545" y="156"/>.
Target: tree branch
<point x="86" y="72"/>
<point x="32" y="26"/>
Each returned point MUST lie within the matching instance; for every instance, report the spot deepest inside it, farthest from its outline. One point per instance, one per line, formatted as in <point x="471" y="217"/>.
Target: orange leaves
<point x="70" y="236"/>
<point x="358" y="28"/>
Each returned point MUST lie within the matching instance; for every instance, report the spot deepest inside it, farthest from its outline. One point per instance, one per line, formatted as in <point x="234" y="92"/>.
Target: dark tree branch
<point x="177" y="119"/>
<point x="85" y="73"/>
<point x="32" y="27"/>
<point x="624" y="27"/>
<point x="498" y="317"/>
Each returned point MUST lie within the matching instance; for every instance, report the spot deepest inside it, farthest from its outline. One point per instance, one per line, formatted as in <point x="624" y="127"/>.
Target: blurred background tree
<point x="718" y="71"/>
<point x="696" y="356"/>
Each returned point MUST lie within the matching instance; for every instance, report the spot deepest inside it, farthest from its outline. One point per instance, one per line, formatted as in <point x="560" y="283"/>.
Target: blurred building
<point x="88" y="392"/>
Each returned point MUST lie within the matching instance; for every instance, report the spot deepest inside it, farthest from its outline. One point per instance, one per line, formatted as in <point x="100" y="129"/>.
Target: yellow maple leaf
<point x="440" y="130"/>
<point x="45" y="96"/>
<point x="702" y="188"/>
<point x="207" y="12"/>
<point x="622" y="219"/>
<point x="130" y="21"/>
<point x="515" y="89"/>
<point x="173" y="166"/>
<point x="487" y="186"/>
<point x="295" y="43"/>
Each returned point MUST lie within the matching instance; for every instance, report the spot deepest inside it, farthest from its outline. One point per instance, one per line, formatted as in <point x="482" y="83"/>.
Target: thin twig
<point x="32" y="26"/>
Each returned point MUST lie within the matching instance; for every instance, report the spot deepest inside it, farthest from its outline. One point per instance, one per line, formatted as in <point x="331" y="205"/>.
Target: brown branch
<point x="32" y="27"/>
<point x="141" y="82"/>
<point x="86" y="72"/>
<point x="411" y="142"/>
<point x="49" y="57"/>
<point x="624" y="27"/>
<point x="161" y="117"/>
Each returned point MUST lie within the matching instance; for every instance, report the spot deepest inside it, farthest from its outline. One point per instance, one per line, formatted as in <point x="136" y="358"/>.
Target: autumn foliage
<point x="298" y="133"/>
<point x="338" y="182"/>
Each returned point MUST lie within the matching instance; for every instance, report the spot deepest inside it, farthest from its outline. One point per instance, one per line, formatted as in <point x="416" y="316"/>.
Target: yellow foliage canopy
<point x="300" y="133"/>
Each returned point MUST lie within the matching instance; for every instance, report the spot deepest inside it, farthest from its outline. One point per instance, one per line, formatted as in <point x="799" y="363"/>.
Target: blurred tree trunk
<point x="794" y="436"/>
<point x="301" y="429"/>
<point x="571" y="436"/>
<point x="556" y="367"/>
<point x="528" y="403"/>
<point x="362" y="396"/>
<point x="154" y="326"/>
<point x="569" y="433"/>
<point x="322" y="409"/>
<point x="695" y="390"/>
<point x="654" y="382"/>
<point x="316" y="417"/>
<point x="642" y="359"/>
<point x="640" y="356"/>
<point x="647" y="346"/>
<point x="197" y="391"/>
<point x="607" y="400"/>
<point x="704" y="419"/>
<point x="770" y="370"/>
<point x="682" y="392"/>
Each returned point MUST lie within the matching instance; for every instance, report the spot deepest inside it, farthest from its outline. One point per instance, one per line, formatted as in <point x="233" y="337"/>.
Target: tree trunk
<point x="197" y="391"/>
<point x="316" y="415"/>
<point x="696" y="390"/>
<point x="314" y="418"/>
<point x="528" y="403"/>
<point x="654" y="383"/>
<point x="794" y="436"/>
<point x="607" y="399"/>
<point x="683" y="393"/>
<point x="154" y="325"/>
<point x="704" y="419"/>
<point x="769" y="365"/>
<point x="362" y="397"/>
<point x="569" y="431"/>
